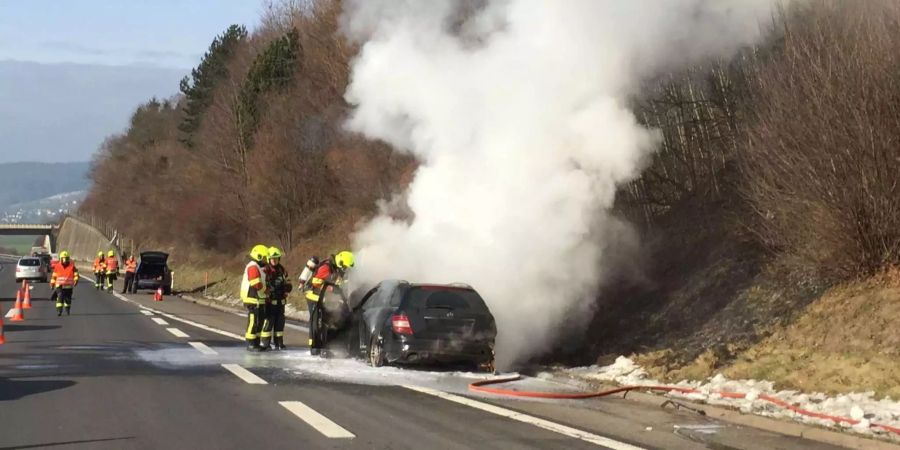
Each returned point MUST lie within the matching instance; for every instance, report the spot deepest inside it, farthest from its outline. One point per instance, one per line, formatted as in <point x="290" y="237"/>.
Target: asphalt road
<point x="117" y="375"/>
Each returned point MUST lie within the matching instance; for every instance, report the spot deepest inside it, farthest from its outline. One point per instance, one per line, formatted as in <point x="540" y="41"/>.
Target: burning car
<point x="398" y="322"/>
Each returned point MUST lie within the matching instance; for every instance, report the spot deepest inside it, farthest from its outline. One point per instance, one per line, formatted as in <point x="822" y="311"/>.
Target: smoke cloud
<point x="517" y="110"/>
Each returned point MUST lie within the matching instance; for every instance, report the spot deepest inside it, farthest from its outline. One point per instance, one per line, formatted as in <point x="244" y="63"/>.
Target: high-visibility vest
<point x="249" y="294"/>
<point x="325" y="272"/>
<point x="98" y="265"/>
<point x="64" y="275"/>
<point x="130" y="265"/>
<point x="112" y="264"/>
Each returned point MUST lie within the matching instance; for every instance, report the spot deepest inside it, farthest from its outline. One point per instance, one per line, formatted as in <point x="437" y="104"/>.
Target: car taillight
<point x="400" y="324"/>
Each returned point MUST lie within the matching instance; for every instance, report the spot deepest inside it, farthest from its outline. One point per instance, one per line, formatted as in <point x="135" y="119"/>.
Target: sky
<point x="72" y="71"/>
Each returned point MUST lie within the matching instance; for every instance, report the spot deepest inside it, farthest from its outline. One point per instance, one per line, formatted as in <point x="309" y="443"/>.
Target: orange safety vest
<point x="112" y="264"/>
<point x="98" y="265"/>
<point x="64" y="275"/>
<point x="130" y="265"/>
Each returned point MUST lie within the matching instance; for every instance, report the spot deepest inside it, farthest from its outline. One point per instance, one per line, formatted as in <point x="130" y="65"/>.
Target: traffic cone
<point x="16" y="312"/>
<point x="26" y="302"/>
<point x="158" y="296"/>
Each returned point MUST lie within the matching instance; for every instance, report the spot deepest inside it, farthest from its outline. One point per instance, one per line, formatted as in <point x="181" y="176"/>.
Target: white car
<point x="31" y="268"/>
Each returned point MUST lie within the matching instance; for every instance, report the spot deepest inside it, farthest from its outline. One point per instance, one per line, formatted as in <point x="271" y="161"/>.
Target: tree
<point x="197" y="88"/>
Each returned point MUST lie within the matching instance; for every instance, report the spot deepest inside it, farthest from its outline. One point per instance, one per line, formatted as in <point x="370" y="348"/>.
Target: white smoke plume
<point x="517" y="110"/>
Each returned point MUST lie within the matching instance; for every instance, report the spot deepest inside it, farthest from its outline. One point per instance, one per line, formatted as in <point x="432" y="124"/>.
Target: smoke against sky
<point x="519" y="117"/>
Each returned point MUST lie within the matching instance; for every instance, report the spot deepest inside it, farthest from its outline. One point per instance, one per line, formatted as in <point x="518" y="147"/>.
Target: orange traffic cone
<point x="158" y="296"/>
<point x="16" y="312"/>
<point x="26" y="302"/>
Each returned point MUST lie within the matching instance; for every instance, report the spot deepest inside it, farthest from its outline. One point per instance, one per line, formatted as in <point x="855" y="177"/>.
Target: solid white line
<point x="244" y="374"/>
<point x="159" y="321"/>
<point x="203" y="348"/>
<point x="177" y="332"/>
<point x="146" y="313"/>
<point x="321" y="423"/>
<point x="524" y="418"/>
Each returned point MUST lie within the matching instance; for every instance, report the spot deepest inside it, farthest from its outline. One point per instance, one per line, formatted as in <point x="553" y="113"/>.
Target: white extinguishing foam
<point x="177" y="332"/>
<point x="531" y="420"/>
<point x="316" y="420"/>
<point x="244" y="374"/>
<point x="203" y="348"/>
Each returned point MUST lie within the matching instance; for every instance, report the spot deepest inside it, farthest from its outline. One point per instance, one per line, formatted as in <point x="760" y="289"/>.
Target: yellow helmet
<point x="344" y="260"/>
<point x="274" y="252"/>
<point x="111" y="254"/>
<point x="63" y="255"/>
<point x="259" y="253"/>
<point x="99" y="254"/>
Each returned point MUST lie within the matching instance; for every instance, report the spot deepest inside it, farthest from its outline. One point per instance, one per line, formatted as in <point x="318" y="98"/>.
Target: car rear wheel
<point x="376" y="351"/>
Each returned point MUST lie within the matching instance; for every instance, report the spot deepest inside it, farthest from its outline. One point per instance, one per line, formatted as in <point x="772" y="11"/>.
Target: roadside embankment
<point x="81" y="240"/>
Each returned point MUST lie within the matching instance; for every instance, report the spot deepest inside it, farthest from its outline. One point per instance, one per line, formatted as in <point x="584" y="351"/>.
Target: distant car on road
<point x="153" y="272"/>
<point x="398" y="322"/>
<point x="31" y="268"/>
<point x="46" y="260"/>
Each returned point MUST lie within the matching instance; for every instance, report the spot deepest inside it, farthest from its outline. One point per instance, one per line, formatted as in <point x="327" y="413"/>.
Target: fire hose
<point x="483" y="387"/>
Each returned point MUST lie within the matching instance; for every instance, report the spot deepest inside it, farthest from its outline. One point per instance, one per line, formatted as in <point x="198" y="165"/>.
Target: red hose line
<point x="482" y="387"/>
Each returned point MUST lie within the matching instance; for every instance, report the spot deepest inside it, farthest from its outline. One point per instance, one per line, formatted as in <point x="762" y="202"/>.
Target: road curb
<point x="733" y="416"/>
<point x="219" y="306"/>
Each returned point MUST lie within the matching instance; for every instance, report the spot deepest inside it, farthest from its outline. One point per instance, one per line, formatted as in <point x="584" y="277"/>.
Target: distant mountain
<point x="25" y="183"/>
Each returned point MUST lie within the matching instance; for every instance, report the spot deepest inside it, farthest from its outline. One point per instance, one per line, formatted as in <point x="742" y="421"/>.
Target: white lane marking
<point x="321" y="423"/>
<point x="173" y="317"/>
<point x="244" y="374"/>
<point x="159" y="321"/>
<point x="177" y="332"/>
<point x="540" y="423"/>
<point x="203" y="348"/>
<point x="146" y="313"/>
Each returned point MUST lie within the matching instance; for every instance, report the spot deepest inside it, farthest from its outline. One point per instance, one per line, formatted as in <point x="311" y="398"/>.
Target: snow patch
<point x="861" y="406"/>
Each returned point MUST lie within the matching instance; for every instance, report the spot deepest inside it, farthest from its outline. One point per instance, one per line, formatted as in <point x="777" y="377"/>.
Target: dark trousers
<point x="63" y="299"/>
<point x="129" y="282"/>
<point x="314" y="313"/>
<point x="101" y="280"/>
<point x="254" y="323"/>
<point x="265" y="333"/>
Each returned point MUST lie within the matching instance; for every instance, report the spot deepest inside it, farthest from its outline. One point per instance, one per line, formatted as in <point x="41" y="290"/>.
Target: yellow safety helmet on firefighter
<point x="111" y="254"/>
<point x="344" y="260"/>
<point x="274" y="252"/>
<point x="99" y="254"/>
<point x="259" y="253"/>
<point x="63" y="255"/>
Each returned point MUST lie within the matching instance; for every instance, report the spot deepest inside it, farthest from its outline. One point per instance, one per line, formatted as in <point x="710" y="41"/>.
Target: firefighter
<point x="63" y="281"/>
<point x="253" y="294"/>
<point x="330" y="272"/>
<point x="99" y="270"/>
<point x="130" y="268"/>
<point x="112" y="269"/>
<point x="279" y="286"/>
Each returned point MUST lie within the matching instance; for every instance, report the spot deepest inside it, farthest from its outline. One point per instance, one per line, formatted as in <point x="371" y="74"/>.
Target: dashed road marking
<point x="203" y="348"/>
<point x="159" y="321"/>
<point x="244" y="374"/>
<point x="146" y="313"/>
<point x="531" y="420"/>
<point x="316" y="420"/>
<point x="177" y="332"/>
<point x="173" y="317"/>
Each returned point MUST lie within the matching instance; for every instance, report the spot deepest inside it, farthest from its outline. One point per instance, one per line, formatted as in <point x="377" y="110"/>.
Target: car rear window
<point x="30" y="262"/>
<point x="445" y="298"/>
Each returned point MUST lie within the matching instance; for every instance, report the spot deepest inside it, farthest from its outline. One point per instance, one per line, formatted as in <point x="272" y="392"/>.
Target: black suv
<point x="153" y="272"/>
<point x="398" y="322"/>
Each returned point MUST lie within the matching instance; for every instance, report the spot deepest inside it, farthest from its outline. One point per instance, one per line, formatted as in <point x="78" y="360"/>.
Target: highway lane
<point x="115" y="375"/>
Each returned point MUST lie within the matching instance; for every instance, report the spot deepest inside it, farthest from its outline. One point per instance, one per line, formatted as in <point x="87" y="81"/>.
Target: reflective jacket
<point x="278" y="284"/>
<point x="130" y="265"/>
<point x="64" y="276"/>
<point x="325" y="274"/>
<point x="112" y="265"/>
<point x="253" y="284"/>
<point x="99" y="265"/>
